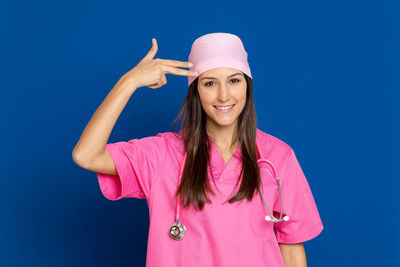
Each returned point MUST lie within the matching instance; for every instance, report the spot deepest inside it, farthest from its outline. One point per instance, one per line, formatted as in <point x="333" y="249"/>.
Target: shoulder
<point x="272" y="146"/>
<point x="171" y="138"/>
<point x="171" y="142"/>
<point x="162" y="137"/>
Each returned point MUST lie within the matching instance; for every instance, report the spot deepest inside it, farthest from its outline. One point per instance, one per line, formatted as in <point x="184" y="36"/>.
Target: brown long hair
<point x="194" y="182"/>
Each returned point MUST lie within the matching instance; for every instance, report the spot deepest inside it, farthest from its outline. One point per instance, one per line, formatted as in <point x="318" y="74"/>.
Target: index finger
<point x="176" y="63"/>
<point x="177" y="71"/>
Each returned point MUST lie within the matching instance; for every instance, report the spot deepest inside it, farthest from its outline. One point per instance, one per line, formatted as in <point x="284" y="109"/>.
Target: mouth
<point x="224" y="108"/>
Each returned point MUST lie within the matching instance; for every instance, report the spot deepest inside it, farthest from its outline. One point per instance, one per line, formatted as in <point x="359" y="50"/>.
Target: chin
<point x="224" y="123"/>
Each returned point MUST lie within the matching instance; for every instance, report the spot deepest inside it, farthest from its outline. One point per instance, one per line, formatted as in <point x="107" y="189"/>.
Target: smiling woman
<point x="223" y="98"/>
<point x="210" y="185"/>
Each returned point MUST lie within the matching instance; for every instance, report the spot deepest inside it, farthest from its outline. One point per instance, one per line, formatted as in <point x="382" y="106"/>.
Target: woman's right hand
<point x="151" y="72"/>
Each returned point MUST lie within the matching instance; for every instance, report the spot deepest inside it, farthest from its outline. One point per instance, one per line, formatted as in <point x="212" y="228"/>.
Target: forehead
<point x="219" y="72"/>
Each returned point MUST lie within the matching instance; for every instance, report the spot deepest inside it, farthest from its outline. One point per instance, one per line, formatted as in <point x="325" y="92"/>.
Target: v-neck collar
<point x="220" y="170"/>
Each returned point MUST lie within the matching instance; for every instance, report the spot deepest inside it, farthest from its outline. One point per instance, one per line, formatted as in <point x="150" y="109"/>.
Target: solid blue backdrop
<point x="326" y="81"/>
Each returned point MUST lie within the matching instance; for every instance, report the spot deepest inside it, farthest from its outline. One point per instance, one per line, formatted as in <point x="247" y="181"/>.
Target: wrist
<point x="128" y="84"/>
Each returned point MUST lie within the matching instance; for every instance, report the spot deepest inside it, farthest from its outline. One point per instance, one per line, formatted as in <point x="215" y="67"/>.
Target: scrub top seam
<point x="157" y="176"/>
<point x="287" y="161"/>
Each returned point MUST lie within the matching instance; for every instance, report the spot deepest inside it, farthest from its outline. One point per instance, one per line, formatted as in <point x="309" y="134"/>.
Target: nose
<point x="223" y="93"/>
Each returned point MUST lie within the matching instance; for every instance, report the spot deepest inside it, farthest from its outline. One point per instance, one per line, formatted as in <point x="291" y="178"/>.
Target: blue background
<point x="326" y="81"/>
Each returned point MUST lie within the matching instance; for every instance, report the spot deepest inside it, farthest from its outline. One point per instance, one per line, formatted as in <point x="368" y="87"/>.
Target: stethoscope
<point x="178" y="230"/>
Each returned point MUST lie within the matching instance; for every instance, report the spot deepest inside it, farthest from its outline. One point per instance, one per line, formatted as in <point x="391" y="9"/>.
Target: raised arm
<point x="90" y="152"/>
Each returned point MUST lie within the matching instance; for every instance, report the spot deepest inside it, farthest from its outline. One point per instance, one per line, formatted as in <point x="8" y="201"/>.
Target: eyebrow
<point x="215" y="79"/>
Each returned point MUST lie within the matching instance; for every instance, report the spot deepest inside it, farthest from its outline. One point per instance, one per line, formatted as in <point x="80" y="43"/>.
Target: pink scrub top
<point x="222" y="234"/>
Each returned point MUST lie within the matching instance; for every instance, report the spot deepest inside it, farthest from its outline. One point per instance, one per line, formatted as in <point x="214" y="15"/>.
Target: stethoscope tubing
<point x="272" y="218"/>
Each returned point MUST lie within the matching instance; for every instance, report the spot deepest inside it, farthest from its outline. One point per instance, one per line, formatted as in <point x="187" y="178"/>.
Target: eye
<point x="236" y="80"/>
<point x="207" y="83"/>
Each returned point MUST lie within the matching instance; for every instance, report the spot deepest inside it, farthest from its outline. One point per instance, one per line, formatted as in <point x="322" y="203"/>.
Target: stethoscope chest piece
<point x="177" y="230"/>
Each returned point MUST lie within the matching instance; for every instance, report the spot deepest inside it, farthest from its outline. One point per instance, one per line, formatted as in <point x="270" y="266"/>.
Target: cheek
<point x="204" y="102"/>
<point x="242" y="100"/>
<point x="241" y="96"/>
<point x="204" y="98"/>
<point x="201" y="96"/>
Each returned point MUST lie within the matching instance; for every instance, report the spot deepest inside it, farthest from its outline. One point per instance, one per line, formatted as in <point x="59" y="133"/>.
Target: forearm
<point x="293" y="255"/>
<point x="97" y="132"/>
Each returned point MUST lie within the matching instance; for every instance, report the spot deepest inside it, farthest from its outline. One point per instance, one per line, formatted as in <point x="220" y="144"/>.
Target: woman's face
<point x="222" y="94"/>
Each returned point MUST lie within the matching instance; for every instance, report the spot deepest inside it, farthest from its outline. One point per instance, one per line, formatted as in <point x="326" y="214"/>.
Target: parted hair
<point x="194" y="184"/>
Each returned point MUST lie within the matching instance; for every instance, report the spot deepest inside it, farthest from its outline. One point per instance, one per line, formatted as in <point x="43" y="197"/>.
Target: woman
<point x="195" y="221"/>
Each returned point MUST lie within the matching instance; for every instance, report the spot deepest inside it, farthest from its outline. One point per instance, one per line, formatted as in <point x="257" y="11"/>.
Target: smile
<point x="224" y="108"/>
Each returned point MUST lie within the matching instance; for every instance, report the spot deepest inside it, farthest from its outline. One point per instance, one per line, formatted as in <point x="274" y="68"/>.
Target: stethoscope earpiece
<point x="268" y="218"/>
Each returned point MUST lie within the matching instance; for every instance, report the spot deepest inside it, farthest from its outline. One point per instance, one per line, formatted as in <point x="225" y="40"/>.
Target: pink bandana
<point x="218" y="50"/>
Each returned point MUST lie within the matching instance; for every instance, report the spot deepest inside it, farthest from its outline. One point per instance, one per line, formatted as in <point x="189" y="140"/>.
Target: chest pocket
<point x="270" y="191"/>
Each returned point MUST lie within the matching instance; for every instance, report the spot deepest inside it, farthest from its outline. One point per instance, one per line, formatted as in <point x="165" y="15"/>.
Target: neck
<point x="223" y="137"/>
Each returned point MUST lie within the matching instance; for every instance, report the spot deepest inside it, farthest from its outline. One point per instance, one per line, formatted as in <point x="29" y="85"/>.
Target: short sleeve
<point x="138" y="163"/>
<point x="298" y="203"/>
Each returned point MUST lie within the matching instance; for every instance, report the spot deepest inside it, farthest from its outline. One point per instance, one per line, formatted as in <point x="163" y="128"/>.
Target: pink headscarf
<point x="218" y="50"/>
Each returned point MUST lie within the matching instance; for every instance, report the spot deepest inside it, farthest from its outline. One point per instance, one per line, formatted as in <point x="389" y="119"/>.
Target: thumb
<point x="153" y="50"/>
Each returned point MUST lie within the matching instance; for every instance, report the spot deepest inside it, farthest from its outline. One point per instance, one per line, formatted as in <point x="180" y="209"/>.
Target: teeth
<point x="225" y="107"/>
